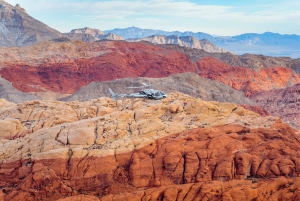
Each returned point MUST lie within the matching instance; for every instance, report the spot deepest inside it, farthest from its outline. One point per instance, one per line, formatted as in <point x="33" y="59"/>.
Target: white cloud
<point x="108" y="14"/>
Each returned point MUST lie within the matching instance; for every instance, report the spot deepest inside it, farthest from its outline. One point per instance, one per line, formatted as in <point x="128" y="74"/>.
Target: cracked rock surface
<point x="179" y="148"/>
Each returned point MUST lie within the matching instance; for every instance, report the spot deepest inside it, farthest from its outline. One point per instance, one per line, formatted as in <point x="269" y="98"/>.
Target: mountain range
<point x="271" y="44"/>
<point x="186" y="41"/>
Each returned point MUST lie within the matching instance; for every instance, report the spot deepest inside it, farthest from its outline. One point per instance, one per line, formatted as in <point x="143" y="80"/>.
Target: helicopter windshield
<point x="157" y="93"/>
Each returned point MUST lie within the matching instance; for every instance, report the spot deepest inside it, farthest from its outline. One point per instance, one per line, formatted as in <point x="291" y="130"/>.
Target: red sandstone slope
<point x="121" y="60"/>
<point x="66" y="67"/>
<point x="246" y="79"/>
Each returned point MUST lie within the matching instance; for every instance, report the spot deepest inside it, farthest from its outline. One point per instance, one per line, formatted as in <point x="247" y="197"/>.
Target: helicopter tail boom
<point x="113" y="95"/>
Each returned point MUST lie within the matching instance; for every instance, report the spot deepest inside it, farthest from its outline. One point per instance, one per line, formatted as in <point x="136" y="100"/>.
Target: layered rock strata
<point x="142" y="149"/>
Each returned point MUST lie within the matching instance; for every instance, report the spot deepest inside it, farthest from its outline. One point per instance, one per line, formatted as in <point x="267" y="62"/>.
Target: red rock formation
<point x="175" y="166"/>
<point x="246" y="79"/>
<point x="127" y="60"/>
<point x="140" y="149"/>
<point x="66" y="67"/>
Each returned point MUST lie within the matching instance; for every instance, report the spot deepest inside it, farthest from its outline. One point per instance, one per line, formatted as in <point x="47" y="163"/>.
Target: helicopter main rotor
<point x="144" y="85"/>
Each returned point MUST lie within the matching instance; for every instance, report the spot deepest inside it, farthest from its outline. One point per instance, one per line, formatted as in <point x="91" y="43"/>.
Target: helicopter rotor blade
<point x="135" y="87"/>
<point x="146" y="85"/>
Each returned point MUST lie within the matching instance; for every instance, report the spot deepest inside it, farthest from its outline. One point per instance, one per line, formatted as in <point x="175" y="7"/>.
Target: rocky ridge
<point x="76" y="64"/>
<point x="187" y="83"/>
<point x="17" y="28"/>
<point x="116" y="150"/>
<point x="186" y="41"/>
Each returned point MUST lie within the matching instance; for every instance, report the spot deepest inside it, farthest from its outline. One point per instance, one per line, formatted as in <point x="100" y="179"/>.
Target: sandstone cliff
<point x="180" y="148"/>
<point x="17" y="28"/>
<point x="186" y="41"/>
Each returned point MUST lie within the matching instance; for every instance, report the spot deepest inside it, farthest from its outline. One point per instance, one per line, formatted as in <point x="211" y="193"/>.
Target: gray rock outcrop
<point x="188" y="83"/>
<point x="9" y="93"/>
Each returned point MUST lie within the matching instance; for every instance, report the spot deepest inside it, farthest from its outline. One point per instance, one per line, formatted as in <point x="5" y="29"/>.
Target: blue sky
<point x="219" y="17"/>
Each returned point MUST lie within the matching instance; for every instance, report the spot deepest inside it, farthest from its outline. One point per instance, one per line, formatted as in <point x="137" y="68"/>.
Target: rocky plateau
<point x="179" y="148"/>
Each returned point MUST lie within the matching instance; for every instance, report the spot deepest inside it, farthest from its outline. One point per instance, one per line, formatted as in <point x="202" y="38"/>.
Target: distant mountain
<point x="17" y="28"/>
<point x="110" y="36"/>
<point x="87" y="30"/>
<point x="265" y="39"/>
<point x="186" y="41"/>
<point x="135" y="32"/>
<point x="89" y="35"/>
<point x="270" y="44"/>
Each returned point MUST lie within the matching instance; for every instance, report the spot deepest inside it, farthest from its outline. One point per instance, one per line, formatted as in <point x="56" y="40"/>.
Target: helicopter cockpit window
<point x="162" y="93"/>
<point x="157" y="93"/>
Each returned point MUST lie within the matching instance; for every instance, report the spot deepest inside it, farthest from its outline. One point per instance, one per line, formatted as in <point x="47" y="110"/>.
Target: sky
<point x="216" y="17"/>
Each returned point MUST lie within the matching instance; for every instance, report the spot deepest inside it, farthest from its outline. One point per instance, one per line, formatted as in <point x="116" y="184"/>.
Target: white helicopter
<point x="145" y="93"/>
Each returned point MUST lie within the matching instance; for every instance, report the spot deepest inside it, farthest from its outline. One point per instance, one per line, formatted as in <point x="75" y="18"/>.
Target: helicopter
<point x="145" y="93"/>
